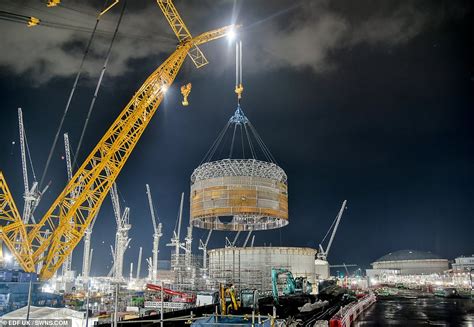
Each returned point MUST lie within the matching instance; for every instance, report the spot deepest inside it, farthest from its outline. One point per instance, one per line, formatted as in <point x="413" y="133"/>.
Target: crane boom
<point x="339" y="216"/>
<point x="324" y="253"/>
<point x="68" y="218"/>
<point x="150" y="204"/>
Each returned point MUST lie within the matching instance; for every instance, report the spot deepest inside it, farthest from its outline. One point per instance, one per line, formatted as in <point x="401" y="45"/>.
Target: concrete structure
<point x="411" y="262"/>
<point x="463" y="264"/>
<point x="321" y="269"/>
<point x="251" y="267"/>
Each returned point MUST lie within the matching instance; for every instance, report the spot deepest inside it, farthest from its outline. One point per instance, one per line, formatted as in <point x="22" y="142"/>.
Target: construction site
<point x="238" y="189"/>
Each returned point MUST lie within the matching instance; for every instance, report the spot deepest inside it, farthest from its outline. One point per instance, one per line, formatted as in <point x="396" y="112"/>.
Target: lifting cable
<point x="71" y="94"/>
<point x="99" y="82"/>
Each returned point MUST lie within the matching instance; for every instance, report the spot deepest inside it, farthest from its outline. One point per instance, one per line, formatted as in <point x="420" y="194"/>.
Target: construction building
<point x="250" y="267"/>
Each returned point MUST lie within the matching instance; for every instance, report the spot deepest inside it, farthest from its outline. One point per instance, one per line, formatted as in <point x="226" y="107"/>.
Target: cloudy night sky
<point x="369" y="101"/>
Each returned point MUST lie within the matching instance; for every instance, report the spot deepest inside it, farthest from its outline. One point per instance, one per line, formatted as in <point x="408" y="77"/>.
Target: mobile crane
<point x="65" y="223"/>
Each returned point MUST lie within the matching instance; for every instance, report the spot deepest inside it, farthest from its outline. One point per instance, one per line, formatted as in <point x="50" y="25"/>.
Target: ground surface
<point x="406" y="311"/>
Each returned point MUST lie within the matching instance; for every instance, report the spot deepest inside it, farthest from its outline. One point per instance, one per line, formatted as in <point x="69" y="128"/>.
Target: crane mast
<point x="323" y="254"/>
<point x="139" y="264"/>
<point x="203" y="247"/>
<point x="156" y="236"/>
<point x="175" y="240"/>
<point x="68" y="218"/>
<point x="68" y="261"/>
<point x="31" y="195"/>
<point x="121" y="236"/>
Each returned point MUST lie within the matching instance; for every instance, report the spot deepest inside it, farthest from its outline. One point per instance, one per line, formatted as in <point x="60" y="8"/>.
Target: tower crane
<point x="234" y="242"/>
<point x="32" y="195"/>
<point x="247" y="239"/>
<point x="68" y="261"/>
<point x="121" y="236"/>
<point x="156" y="236"/>
<point x="98" y="172"/>
<point x="175" y="240"/>
<point x="323" y="254"/>
<point x="87" y="255"/>
<point x="203" y="247"/>
<point x="139" y="264"/>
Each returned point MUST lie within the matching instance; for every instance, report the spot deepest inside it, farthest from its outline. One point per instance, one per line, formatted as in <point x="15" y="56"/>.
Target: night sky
<point x="369" y="102"/>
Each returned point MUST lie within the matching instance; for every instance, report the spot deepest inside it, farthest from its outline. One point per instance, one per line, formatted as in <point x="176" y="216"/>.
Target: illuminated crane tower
<point x="121" y="236"/>
<point x="156" y="238"/>
<point x="98" y="172"/>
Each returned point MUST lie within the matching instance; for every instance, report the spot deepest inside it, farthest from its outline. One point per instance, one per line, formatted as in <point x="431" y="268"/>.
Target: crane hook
<point x="185" y="90"/>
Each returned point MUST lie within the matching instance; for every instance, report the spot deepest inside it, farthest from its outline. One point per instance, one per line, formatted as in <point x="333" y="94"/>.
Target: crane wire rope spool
<point x="244" y="191"/>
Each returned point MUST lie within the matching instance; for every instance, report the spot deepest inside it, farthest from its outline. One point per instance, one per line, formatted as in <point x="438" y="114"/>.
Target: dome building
<point x="411" y="262"/>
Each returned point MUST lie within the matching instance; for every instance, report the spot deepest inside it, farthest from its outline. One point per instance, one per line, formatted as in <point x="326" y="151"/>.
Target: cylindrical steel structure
<point x="239" y="194"/>
<point x="251" y="267"/>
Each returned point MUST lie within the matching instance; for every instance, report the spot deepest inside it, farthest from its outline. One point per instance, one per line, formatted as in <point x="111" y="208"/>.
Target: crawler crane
<point x="65" y="223"/>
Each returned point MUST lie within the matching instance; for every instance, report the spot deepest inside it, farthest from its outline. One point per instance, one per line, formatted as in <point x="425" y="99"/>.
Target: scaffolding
<point x="250" y="268"/>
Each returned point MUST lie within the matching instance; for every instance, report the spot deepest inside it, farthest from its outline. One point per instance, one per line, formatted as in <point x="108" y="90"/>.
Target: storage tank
<point x="249" y="268"/>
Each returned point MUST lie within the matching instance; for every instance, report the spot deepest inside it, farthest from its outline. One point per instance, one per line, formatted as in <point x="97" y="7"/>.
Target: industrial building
<point x="409" y="262"/>
<point x="463" y="264"/>
<point x="250" y="267"/>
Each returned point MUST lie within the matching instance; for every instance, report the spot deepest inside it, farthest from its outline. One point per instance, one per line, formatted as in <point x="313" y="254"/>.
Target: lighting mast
<point x="156" y="236"/>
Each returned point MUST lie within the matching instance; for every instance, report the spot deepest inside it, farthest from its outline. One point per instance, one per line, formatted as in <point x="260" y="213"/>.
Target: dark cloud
<point x="315" y="30"/>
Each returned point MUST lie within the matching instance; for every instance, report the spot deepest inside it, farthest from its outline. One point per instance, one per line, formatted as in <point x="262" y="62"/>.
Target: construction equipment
<point x="95" y="176"/>
<point x="239" y="87"/>
<point x="228" y="292"/>
<point x="293" y="285"/>
<point x="156" y="235"/>
<point x="323" y="254"/>
<point x="139" y="264"/>
<point x="233" y="243"/>
<point x="32" y="195"/>
<point x="185" y="90"/>
<point x="121" y="236"/>
<point x="175" y="240"/>
<point x="33" y="21"/>
<point x="176" y="296"/>
<point x="53" y="3"/>
<point x="203" y="247"/>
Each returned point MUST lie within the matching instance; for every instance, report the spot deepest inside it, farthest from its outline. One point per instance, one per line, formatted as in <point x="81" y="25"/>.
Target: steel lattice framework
<point x="50" y="241"/>
<point x="239" y="167"/>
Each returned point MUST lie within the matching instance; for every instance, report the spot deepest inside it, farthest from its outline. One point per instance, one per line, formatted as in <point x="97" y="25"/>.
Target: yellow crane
<point x="50" y="241"/>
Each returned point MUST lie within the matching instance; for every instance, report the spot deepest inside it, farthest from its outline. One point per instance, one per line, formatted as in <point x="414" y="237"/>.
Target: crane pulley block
<point x="185" y="90"/>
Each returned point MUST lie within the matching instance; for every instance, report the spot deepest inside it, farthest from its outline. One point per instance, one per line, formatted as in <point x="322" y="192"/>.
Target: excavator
<point x="231" y="304"/>
<point x="296" y="285"/>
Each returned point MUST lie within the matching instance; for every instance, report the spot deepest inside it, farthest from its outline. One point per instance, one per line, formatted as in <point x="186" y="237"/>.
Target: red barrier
<point x="350" y="312"/>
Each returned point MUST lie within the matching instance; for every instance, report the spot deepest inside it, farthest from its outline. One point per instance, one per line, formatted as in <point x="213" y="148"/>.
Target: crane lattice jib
<point x="13" y="231"/>
<point x="68" y="217"/>
<point x="181" y="31"/>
